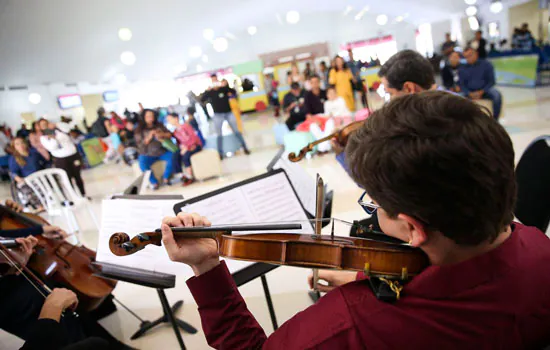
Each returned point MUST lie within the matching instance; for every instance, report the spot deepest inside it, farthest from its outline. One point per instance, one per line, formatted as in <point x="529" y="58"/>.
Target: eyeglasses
<point x="369" y="207"/>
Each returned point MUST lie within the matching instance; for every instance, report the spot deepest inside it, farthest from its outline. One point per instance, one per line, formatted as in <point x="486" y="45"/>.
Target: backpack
<point x="98" y="128"/>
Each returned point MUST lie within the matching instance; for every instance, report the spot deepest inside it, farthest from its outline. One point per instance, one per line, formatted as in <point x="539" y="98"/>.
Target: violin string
<point x="14" y="264"/>
<point x="286" y="222"/>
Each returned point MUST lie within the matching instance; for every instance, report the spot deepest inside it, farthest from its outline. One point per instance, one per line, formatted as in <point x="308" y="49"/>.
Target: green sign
<point x="248" y="67"/>
<point x="93" y="150"/>
<point x="518" y="70"/>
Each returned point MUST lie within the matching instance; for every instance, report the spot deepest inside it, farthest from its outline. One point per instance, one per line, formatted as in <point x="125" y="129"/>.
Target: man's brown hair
<point x="437" y="157"/>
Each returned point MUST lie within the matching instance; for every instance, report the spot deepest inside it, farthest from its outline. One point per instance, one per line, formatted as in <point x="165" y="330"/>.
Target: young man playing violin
<point x="440" y="174"/>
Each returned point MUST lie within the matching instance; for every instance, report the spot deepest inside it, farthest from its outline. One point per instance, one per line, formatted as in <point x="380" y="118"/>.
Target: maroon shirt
<point x="498" y="300"/>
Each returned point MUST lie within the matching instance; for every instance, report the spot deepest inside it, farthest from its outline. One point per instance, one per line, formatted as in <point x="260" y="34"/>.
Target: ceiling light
<point x="124" y="34"/>
<point x="199" y="68"/>
<point x="471" y="11"/>
<point x="35" y="98"/>
<point x="399" y="19"/>
<point x="496" y="6"/>
<point x="293" y="17"/>
<point x="205" y="58"/>
<point x="252" y="30"/>
<point x="381" y="19"/>
<point x="473" y="22"/>
<point x="470" y="2"/>
<point x="128" y="58"/>
<point x="361" y="13"/>
<point x="195" y="51"/>
<point x="208" y="34"/>
<point x="120" y="79"/>
<point x="220" y="44"/>
<point x="348" y="10"/>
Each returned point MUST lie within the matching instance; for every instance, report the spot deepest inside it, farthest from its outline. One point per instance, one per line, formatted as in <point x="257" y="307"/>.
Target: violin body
<point x="379" y="258"/>
<point x="62" y="262"/>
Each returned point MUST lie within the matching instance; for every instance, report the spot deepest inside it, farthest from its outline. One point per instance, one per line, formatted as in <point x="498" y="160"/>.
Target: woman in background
<point x="149" y="136"/>
<point x="34" y="139"/>
<point x="342" y="78"/>
<point x="22" y="163"/>
<point x="189" y="144"/>
<point x="294" y="75"/>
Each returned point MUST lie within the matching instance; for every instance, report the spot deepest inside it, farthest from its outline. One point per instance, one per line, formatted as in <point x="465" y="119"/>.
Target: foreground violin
<point x="62" y="262"/>
<point x="378" y="255"/>
<point x="341" y="136"/>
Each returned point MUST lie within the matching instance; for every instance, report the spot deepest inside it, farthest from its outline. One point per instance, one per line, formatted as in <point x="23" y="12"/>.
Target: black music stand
<point x="159" y="281"/>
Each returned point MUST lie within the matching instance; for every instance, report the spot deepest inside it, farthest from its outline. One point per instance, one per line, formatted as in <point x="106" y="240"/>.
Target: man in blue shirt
<point x="477" y="80"/>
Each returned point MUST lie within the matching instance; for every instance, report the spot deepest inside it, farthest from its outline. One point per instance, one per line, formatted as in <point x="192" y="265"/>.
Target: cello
<point x="61" y="261"/>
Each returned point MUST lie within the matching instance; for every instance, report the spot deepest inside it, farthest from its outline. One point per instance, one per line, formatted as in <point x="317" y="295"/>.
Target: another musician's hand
<point x="59" y="300"/>
<point x="26" y="246"/>
<point x="200" y="254"/>
<point x="54" y="232"/>
<point x="336" y="146"/>
<point x="333" y="279"/>
<point x="14" y="206"/>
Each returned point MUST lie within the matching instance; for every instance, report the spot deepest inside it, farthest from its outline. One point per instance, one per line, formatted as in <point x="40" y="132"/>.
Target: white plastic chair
<point x="57" y="195"/>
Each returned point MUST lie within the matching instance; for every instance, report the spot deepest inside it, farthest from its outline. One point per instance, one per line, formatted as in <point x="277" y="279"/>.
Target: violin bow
<point x="120" y="243"/>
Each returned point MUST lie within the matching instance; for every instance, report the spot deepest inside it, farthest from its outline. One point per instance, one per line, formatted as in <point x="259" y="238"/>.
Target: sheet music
<point x="133" y="217"/>
<point x="268" y="200"/>
<point x="302" y="182"/>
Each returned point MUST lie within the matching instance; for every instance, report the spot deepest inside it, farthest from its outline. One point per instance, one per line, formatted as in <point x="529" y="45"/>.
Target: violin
<point x="341" y="136"/>
<point x="61" y="261"/>
<point x="377" y="255"/>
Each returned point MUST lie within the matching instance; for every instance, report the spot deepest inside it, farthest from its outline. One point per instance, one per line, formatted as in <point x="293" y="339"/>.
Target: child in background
<point x="191" y="120"/>
<point x="335" y="106"/>
<point x="115" y="148"/>
<point x="189" y="144"/>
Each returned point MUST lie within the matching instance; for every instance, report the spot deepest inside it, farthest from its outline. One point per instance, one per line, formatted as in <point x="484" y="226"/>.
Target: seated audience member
<point x="23" y="162"/>
<point x="23" y="132"/>
<point x="4" y="146"/>
<point x="194" y="123"/>
<point x="477" y="80"/>
<point x="314" y="99"/>
<point x="34" y="140"/>
<point x="479" y="259"/>
<point x="127" y="135"/>
<point x="449" y="73"/>
<point x="335" y="106"/>
<point x="117" y="121"/>
<point x="149" y="136"/>
<point x="293" y="105"/>
<point x="76" y="136"/>
<point x="189" y="144"/>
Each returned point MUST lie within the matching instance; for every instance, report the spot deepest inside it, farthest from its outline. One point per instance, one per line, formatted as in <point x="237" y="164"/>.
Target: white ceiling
<point x="45" y="41"/>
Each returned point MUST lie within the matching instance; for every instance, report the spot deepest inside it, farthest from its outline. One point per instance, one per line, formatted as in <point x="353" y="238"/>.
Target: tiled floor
<point x="526" y="116"/>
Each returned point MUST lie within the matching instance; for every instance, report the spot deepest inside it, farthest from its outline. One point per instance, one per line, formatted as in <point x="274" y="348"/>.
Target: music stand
<point x="157" y="280"/>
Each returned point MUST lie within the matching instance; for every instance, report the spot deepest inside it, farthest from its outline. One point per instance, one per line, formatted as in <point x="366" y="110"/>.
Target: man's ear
<point x="411" y="88"/>
<point x="416" y="230"/>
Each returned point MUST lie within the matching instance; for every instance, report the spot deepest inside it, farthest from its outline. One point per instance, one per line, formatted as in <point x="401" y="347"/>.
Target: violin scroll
<point x="296" y="158"/>
<point x="121" y="245"/>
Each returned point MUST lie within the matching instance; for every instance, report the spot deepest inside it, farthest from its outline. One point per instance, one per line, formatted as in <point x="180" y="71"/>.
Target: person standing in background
<point x="117" y="121"/>
<point x="64" y="153"/>
<point x="218" y="96"/>
<point x="323" y="73"/>
<point x="294" y="75"/>
<point x="355" y="67"/>
<point x="448" y="45"/>
<point x="308" y="71"/>
<point x="234" y="104"/>
<point x="479" y="44"/>
<point x="342" y="79"/>
<point x="34" y="140"/>
<point x="23" y="132"/>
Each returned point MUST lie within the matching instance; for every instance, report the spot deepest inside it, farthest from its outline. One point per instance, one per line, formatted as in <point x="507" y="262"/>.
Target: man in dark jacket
<point x="449" y="73"/>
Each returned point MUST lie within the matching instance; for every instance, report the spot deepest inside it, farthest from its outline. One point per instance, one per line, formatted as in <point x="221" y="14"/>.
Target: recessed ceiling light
<point x="470" y="2"/>
<point x="205" y="58"/>
<point x="35" y="98"/>
<point x="124" y="34"/>
<point x="220" y="44"/>
<point x="471" y="11"/>
<point x="496" y="6"/>
<point x="381" y="19"/>
<point x="195" y="51"/>
<point x="293" y="17"/>
<point x="252" y="30"/>
<point x="128" y="58"/>
<point x="208" y="34"/>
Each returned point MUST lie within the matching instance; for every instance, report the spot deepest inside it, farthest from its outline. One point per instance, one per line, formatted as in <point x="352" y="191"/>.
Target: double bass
<point x="62" y="262"/>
